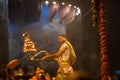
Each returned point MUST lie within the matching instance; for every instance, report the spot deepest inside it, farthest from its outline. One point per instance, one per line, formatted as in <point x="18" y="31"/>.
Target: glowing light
<point x="77" y="7"/>
<point x="76" y="14"/>
<point x="63" y="3"/>
<point x="46" y="2"/>
<point x="54" y="2"/>
<point x="70" y="5"/>
<point x="74" y="6"/>
<point x="78" y="11"/>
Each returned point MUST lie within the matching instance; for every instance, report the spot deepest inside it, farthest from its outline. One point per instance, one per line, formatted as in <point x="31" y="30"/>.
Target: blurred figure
<point x="79" y="76"/>
<point x="39" y="75"/>
<point x="65" y="57"/>
<point x="53" y="78"/>
<point x="11" y="67"/>
<point x="2" y="72"/>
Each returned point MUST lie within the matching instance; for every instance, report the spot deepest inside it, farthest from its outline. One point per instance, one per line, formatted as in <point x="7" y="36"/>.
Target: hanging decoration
<point x="94" y="11"/>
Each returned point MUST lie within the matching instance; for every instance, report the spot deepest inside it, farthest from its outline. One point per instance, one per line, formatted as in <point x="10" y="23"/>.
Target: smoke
<point x="43" y="33"/>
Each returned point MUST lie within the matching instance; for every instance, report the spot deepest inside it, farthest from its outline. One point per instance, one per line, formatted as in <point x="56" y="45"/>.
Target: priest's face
<point x="61" y="39"/>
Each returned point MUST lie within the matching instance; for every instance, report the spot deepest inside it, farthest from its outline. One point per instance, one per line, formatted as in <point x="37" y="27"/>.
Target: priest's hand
<point x="45" y="58"/>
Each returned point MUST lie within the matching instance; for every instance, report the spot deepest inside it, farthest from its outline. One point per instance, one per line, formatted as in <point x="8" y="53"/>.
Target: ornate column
<point x="3" y="32"/>
<point x="103" y="42"/>
<point x="99" y="22"/>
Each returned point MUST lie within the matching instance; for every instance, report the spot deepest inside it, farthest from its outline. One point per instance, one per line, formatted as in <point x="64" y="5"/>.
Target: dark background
<point x="112" y="17"/>
<point x="87" y="37"/>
